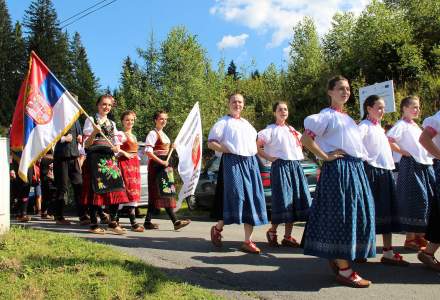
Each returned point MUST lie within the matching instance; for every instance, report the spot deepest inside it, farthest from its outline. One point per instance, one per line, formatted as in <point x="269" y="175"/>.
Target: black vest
<point x="69" y="150"/>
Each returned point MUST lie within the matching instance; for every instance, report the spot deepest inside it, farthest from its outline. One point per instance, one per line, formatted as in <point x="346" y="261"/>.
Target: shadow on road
<point x="276" y="269"/>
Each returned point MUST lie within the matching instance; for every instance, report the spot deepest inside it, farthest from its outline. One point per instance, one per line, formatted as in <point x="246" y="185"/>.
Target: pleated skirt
<point x="341" y="222"/>
<point x="243" y="195"/>
<point x="291" y="198"/>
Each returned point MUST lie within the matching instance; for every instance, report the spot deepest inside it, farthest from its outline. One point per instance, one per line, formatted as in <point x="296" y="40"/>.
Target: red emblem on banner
<point x="196" y="152"/>
<point x="38" y="109"/>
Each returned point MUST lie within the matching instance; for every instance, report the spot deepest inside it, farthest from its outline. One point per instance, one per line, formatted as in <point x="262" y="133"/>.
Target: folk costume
<point x="379" y="166"/>
<point x="243" y="195"/>
<point x="341" y="222"/>
<point x="416" y="179"/>
<point x="103" y="183"/>
<point x="161" y="187"/>
<point x="433" y="229"/>
<point x="291" y="198"/>
<point x="130" y="169"/>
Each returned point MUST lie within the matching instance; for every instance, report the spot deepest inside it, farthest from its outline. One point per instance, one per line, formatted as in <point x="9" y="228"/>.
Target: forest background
<point x="395" y="40"/>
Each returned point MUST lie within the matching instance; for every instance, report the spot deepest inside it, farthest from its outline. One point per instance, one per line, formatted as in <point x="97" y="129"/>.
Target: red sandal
<point x="216" y="236"/>
<point x="289" y="242"/>
<point x="271" y="236"/>
<point x="250" y="247"/>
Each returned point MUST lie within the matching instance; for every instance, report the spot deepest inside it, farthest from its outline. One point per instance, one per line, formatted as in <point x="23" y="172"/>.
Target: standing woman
<point x="102" y="179"/>
<point x="416" y="179"/>
<point x="341" y="221"/>
<point x="280" y="144"/>
<point x="243" y="196"/>
<point x="161" y="188"/>
<point x="128" y="161"/>
<point x="379" y="167"/>
<point x="430" y="140"/>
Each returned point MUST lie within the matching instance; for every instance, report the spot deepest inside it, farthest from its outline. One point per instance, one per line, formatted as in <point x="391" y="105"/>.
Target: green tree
<point x="183" y="72"/>
<point x="306" y="72"/>
<point x="45" y="37"/>
<point x="232" y="71"/>
<point x="384" y="46"/>
<point x="12" y="64"/>
<point x="83" y="82"/>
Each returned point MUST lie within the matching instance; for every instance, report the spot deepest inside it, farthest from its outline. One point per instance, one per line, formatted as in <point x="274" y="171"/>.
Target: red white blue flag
<point x="44" y="112"/>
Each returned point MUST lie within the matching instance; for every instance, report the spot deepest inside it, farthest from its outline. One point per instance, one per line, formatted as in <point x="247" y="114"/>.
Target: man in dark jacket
<point x="66" y="167"/>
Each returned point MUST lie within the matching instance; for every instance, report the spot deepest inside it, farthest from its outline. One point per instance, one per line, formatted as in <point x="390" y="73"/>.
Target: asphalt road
<point x="277" y="273"/>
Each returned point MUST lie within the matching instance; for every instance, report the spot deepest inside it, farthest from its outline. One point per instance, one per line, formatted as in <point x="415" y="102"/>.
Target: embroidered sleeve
<point x="315" y="125"/>
<point x="121" y="137"/>
<point x="150" y="141"/>
<point x="217" y="131"/>
<point x="310" y="133"/>
<point x="432" y="125"/>
<point x="264" y="136"/>
<point x="87" y="130"/>
<point x="116" y="135"/>
<point x="432" y="132"/>
<point x="395" y="134"/>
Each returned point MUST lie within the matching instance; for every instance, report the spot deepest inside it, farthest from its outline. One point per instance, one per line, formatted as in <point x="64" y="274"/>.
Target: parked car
<point x="205" y="190"/>
<point x="144" y="175"/>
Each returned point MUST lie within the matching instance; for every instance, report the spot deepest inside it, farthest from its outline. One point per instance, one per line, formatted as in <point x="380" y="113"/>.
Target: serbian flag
<point x="188" y="145"/>
<point x="44" y="112"/>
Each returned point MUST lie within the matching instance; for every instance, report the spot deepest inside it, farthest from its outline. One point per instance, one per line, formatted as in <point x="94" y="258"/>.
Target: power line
<point x="83" y="16"/>
<point x="81" y="12"/>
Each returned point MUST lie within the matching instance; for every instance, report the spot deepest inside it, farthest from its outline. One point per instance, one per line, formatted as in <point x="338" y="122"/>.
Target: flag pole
<point x="169" y="155"/>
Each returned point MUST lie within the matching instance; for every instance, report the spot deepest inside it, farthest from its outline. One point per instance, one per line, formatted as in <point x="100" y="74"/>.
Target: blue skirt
<point x="290" y="192"/>
<point x="243" y="195"/>
<point x="433" y="229"/>
<point x="341" y="222"/>
<point x="415" y="191"/>
<point x="383" y="187"/>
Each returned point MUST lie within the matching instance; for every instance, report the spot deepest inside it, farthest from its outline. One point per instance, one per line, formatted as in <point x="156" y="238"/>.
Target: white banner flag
<point x="188" y="145"/>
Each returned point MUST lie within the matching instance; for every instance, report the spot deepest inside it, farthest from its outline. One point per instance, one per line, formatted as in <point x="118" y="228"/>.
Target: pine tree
<point x="83" y="83"/>
<point x="45" y="37"/>
<point x="232" y="70"/>
<point x="12" y="64"/>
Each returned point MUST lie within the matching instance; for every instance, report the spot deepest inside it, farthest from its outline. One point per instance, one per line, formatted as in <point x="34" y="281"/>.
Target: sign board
<point x="383" y="89"/>
<point x="4" y="185"/>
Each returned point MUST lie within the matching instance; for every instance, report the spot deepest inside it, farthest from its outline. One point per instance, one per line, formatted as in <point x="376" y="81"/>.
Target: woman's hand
<point x="404" y="153"/>
<point x="12" y="174"/>
<point x="164" y="163"/>
<point x="334" y="155"/>
<point x="273" y="159"/>
<point x="116" y="149"/>
<point x="96" y="128"/>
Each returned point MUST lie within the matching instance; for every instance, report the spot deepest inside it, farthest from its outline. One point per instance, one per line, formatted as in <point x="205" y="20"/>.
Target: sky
<point x="253" y="33"/>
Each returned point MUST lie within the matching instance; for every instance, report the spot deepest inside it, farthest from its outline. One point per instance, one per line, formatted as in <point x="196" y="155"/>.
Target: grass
<point x="36" y="264"/>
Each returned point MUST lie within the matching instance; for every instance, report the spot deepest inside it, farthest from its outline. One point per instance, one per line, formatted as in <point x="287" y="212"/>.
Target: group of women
<point x="111" y="171"/>
<point x="356" y="195"/>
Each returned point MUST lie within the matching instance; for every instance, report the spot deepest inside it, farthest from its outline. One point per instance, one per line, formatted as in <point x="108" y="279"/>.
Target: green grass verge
<point x="37" y="264"/>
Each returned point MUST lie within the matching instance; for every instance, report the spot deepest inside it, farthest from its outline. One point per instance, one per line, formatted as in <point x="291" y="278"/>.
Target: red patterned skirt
<point x="132" y="177"/>
<point x="154" y="195"/>
<point x="89" y="197"/>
